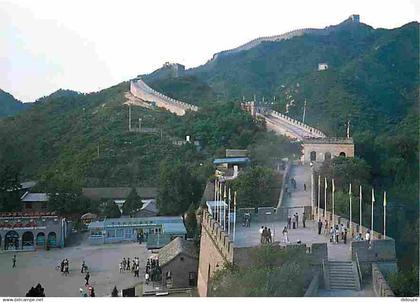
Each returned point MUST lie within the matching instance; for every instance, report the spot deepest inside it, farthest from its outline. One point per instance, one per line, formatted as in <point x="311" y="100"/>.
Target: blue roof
<point x="170" y="224"/>
<point x="231" y="160"/>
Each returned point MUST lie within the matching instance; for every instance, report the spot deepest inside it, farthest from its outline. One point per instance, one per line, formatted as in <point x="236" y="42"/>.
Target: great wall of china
<point x="285" y="36"/>
<point x="144" y="93"/>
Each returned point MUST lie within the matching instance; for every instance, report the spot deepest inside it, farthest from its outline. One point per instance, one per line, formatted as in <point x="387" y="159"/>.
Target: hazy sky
<point x="90" y="45"/>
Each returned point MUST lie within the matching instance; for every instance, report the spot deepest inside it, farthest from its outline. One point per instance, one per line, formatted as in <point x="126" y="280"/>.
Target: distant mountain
<point x="59" y="94"/>
<point x="10" y="106"/>
<point x="372" y="76"/>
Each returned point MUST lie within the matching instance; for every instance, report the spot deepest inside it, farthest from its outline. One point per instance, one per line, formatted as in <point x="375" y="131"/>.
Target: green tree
<point x="405" y="283"/>
<point x="177" y="188"/>
<point x="110" y="209"/>
<point x="191" y="221"/>
<point x="255" y="186"/>
<point x="132" y="204"/>
<point x="9" y="188"/>
<point x="270" y="272"/>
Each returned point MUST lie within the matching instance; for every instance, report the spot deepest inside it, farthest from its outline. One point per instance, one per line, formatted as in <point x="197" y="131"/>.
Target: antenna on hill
<point x="129" y="117"/>
<point x="348" y="129"/>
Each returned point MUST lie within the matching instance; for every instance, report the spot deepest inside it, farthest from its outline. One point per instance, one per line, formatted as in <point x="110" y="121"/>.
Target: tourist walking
<point x="294" y="222"/>
<point x="332" y="230"/>
<point x="261" y="234"/>
<point x="304" y="220"/>
<point x="297" y="220"/>
<point x="289" y="222"/>
<point x="336" y="234"/>
<point x="285" y="237"/>
<point x="304" y="187"/>
<point x="326" y="228"/>
<point x="269" y="236"/>
<point x="265" y="235"/>
<point x="87" y="278"/>
<point x="368" y="236"/>
<point x="121" y="267"/>
<point x="14" y="261"/>
<point x="345" y="235"/>
<point x="83" y="267"/>
<point x="319" y="226"/>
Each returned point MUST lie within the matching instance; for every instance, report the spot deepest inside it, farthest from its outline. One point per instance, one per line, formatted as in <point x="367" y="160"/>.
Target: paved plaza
<point x="40" y="267"/>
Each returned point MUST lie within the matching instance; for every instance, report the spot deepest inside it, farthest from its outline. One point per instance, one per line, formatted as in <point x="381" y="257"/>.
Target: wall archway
<point x="327" y="156"/>
<point x="313" y="156"/>
<point x="40" y="239"/>
<point x="11" y="240"/>
<point x="52" y="239"/>
<point x="28" y="240"/>
<point x="342" y="154"/>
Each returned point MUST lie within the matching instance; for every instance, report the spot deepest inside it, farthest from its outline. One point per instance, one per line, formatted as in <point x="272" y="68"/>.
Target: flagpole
<point x="384" y="214"/>
<point x="325" y="197"/>
<point x="351" y="228"/>
<point x="215" y="198"/>
<point x="229" y="198"/>
<point x="312" y="192"/>
<point x="234" y="216"/>
<point x="220" y="204"/>
<point x="360" y="208"/>
<point x="371" y="218"/>
<point x="224" y="208"/>
<point x="319" y="193"/>
<point x="332" y="193"/>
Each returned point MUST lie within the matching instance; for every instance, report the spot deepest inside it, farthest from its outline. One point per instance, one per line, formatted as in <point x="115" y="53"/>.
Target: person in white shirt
<point x="368" y="236"/>
<point x="261" y="234"/>
<point x="285" y="237"/>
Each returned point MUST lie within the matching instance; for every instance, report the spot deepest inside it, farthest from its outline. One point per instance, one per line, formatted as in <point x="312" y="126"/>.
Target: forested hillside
<point x="9" y="105"/>
<point x="372" y="81"/>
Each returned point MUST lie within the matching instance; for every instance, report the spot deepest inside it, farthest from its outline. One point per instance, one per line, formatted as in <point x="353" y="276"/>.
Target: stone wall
<point x="313" y="288"/>
<point x="380" y="285"/>
<point x="141" y="90"/>
<point x="378" y="250"/>
<point x="216" y="251"/>
<point x="321" y="149"/>
<point x="355" y="228"/>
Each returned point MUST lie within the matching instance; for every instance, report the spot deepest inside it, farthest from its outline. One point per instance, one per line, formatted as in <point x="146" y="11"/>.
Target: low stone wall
<point x="378" y="250"/>
<point x="380" y="285"/>
<point x="285" y="180"/>
<point x="313" y="288"/>
<point x="355" y="228"/>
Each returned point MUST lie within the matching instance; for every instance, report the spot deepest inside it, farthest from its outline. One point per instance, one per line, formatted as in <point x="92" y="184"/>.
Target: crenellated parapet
<point x="141" y="90"/>
<point x="219" y="236"/>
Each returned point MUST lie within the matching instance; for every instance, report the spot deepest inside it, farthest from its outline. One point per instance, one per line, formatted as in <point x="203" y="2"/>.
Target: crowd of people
<point x="246" y="220"/>
<point x="266" y="235"/>
<point x="153" y="271"/>
<point x="64" y="267"/>
<point x="339" y="232"/>
<point x="132" y="266"/>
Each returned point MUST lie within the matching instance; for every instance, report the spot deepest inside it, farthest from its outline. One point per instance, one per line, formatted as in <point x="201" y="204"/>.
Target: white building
<point x="322" y="66"/>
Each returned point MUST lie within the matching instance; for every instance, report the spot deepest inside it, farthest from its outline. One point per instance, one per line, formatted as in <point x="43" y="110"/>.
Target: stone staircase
<point x="341" y="275"/>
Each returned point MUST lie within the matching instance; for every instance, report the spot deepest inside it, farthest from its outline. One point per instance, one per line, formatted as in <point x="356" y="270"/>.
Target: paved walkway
<point x="39" y="266"/>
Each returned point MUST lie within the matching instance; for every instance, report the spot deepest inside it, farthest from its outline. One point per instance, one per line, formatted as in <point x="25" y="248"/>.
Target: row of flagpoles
<point x="223" y="197"/>
<point x="350" y="202"/>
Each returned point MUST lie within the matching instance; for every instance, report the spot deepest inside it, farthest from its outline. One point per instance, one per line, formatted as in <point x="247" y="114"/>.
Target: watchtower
<point x="321" y="149"/>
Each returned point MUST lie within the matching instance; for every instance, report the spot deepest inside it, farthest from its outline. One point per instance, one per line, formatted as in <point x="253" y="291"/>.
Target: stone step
<point x="342" y="281"/>
<point x="340" y="272"/>
<point x="350" y="278"/>
<point x="343" y="287"/>
<point x="340" y="265"/>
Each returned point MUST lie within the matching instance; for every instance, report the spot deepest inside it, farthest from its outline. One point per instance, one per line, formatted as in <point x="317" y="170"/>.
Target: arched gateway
<point x="11" y="240"/>
<point x="320" y="149"/>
